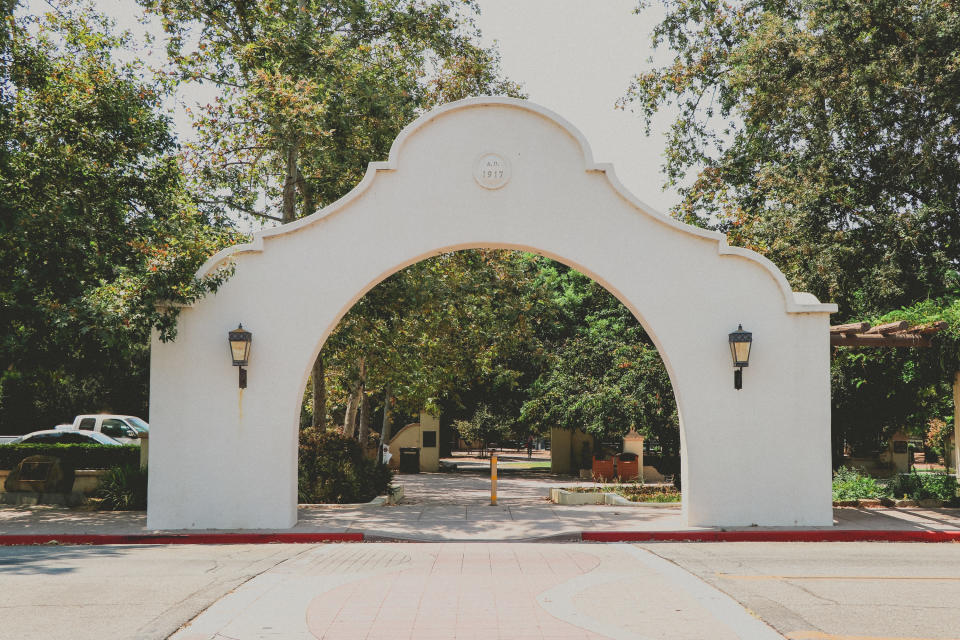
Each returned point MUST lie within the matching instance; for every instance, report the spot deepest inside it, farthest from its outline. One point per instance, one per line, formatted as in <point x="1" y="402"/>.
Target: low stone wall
<point x="881" y="503"/>
<point x="85" y="481"/>
<point x="562" y="496"/>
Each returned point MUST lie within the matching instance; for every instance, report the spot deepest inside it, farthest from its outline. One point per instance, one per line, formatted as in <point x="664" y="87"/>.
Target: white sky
<point x="575" y="57"/>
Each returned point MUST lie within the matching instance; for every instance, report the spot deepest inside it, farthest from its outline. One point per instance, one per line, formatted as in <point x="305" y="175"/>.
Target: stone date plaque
<point x="491" y="171"/>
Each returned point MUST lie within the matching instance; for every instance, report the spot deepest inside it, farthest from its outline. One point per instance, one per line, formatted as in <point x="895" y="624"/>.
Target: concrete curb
<point x="177" y="538"/>
<point x="390" y="499"/>
<point x="806" y="535"/>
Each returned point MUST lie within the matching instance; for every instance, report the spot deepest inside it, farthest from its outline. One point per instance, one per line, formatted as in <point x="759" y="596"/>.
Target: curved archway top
<point x="795" y="302"/>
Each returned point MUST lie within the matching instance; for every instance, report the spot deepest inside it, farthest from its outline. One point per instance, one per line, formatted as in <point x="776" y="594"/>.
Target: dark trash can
<point x="409" y="460"/>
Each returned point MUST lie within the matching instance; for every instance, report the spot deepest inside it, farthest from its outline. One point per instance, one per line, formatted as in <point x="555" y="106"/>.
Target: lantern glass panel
<point x="240" y="350"/>
<point x="741" y="353"/>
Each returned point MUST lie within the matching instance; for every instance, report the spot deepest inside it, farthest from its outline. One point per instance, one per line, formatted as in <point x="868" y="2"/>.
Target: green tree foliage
<point x="96" y="227"/>
<point x="312" y="91"/>
<point x="446" y="327"/>
<point x="823" y="134"/>
<point x="505" y="344"/>
<point x="603" y="374"/>
<point x="485" y="427"/>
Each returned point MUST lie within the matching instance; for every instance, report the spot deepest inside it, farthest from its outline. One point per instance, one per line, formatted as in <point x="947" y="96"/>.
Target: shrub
<point x="124" y="488"/>
<point x="852" y="484"/>
<point x="924" y="486"/>
<point x="334" y="469"/>
<point x="75" y="456"/>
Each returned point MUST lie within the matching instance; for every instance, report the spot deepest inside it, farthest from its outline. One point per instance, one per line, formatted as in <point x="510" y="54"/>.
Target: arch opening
<point x="505" y="345"/>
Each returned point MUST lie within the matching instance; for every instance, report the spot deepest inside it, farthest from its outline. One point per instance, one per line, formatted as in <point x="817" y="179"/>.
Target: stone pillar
<point x="899" y="452"/>
<point x="633" y="443"/>
<point x="429" y="442"/>
<point x="144" y="449"/>
<point x="560" y="440"/>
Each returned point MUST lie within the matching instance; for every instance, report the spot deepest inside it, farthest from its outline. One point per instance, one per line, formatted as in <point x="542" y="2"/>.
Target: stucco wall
<point x="565" y="447"/>
<point x="685" y="285"/>
<point x="412" y="436"/>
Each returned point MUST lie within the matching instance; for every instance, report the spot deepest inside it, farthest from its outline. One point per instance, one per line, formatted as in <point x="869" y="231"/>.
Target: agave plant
<point x="124" y="488"/>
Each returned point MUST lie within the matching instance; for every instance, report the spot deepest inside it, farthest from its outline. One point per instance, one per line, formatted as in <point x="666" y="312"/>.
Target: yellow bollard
<point x="493" y="479"/>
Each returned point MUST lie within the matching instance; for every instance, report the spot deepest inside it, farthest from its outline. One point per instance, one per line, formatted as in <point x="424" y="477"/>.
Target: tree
<point x="96" y="226"/>
<point x="604" y="375"/>
<point x="484" y="426"/>
<point x="441" y="334"/>
<point x="507" y="335"/>
<point x="823" y="134"/>
<point x="311" y="92"/>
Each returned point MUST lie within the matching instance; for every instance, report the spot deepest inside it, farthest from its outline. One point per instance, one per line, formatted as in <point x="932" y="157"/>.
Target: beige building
<point x="423" y="435"/>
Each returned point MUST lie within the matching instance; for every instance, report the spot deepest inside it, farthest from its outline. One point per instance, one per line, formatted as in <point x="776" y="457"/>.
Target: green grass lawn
<point x="532" y="464"/>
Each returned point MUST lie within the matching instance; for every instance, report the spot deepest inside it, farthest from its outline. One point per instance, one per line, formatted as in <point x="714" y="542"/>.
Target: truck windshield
<point x="138" y="424"/>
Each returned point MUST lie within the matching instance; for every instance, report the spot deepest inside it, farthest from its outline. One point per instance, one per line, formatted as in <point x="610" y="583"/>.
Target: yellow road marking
<point x="819" y="635"/>
<point x="733" y="576"/>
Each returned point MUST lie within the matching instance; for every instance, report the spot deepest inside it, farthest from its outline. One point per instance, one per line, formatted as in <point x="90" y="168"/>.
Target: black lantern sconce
<point x="240" y="351"/>
<point x="740" y="343"/>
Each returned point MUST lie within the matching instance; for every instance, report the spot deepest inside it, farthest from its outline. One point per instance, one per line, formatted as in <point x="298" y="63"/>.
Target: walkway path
<point x="443" y="591"/>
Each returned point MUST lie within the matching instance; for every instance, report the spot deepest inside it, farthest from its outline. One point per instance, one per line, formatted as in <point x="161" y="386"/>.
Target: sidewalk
<point x="485" y="523"/>
<point x="456" y="507"/>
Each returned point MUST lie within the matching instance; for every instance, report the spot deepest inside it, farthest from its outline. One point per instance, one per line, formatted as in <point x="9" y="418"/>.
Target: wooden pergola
<point x="900" y="334"/>
<point x="892" y="334"/>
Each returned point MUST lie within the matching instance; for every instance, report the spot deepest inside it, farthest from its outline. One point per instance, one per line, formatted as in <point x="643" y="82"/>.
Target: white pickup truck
<point x="125" y="429"/>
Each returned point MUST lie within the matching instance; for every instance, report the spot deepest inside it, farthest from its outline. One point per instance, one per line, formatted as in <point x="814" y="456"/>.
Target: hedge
<point x="334" y="469"/>
<point x="77" y="456"/>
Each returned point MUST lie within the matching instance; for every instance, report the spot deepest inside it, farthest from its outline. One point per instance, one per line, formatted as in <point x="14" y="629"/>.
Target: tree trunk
<point x="290" y="184"/>
<point x="385" y="429"/>
<point x="355" y="402"/>
<point x="350" y="418"/>
<point x="364" y="417"/>
<point x="307" y="192"/>
<point x="319" y="377"/>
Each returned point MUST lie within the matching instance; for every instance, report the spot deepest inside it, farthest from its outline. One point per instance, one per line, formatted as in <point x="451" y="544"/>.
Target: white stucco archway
<point x="225" y="458"/>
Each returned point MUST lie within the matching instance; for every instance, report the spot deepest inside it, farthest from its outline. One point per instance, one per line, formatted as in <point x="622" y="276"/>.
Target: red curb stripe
<point x="824" y="535"/>
<point x="178" y="538"/>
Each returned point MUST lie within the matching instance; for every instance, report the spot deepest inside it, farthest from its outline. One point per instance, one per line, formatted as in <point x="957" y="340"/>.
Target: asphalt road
<point x="835" y="591"/>
<point x="806" y="591"/>
<point x="117" y="592"/>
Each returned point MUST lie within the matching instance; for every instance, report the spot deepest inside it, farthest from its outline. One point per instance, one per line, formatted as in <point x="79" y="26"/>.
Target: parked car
<point x="124" y="429"/>
<point x="65" y="436"/>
